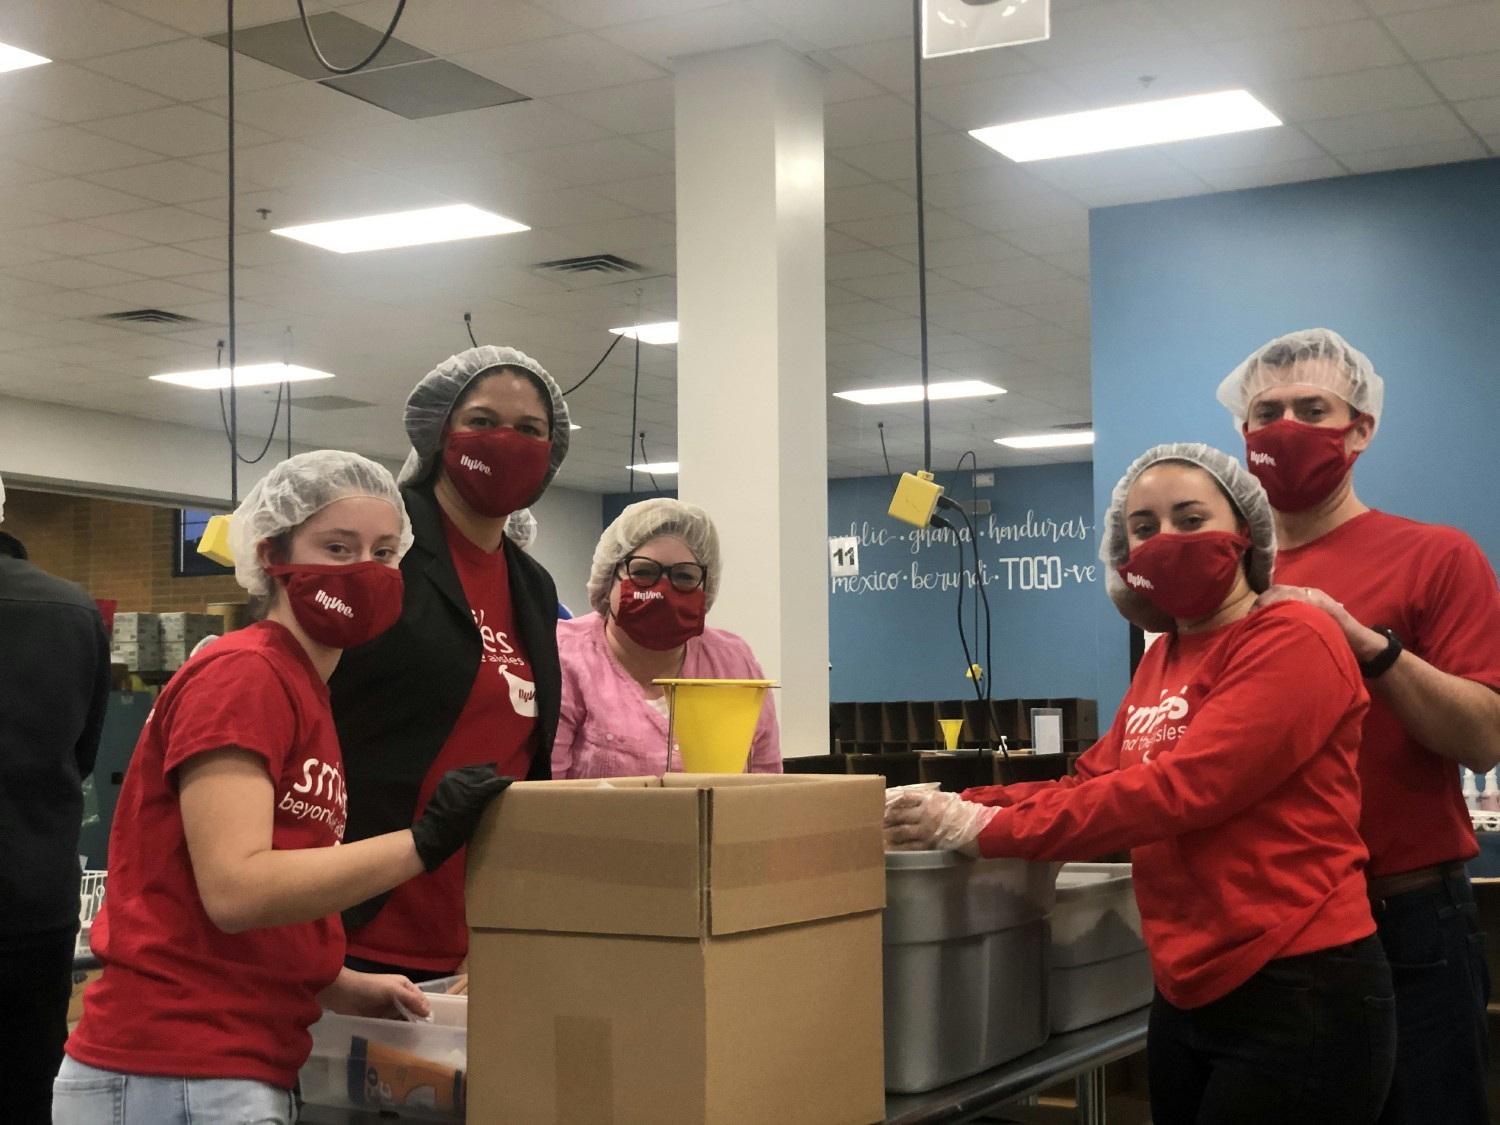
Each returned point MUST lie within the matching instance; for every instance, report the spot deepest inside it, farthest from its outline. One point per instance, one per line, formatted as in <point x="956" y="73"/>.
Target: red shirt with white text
<point x="422" y="925"/>
<point x="178" y="995"/>
<point x="1230" y="772"/>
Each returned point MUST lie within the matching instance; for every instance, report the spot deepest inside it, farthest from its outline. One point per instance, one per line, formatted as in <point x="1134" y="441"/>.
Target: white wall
<point x="88" y="451"/>
<point x="569" y="523"/>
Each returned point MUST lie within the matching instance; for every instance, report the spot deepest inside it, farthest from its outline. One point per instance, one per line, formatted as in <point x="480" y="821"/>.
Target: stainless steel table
<point x="1080" y="1055"/>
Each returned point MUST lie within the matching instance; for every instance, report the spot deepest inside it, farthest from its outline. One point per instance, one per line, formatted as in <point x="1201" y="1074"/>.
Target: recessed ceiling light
<point x="245" y="375"/>
<point x="886" y="396"/>
<point x="665" y="468"/>
<point x="403" y="228"/>
<point x="663" y="333"/>
<point x="13" y="58"/>
<point x="1128" y="126"/>
<point x="1048" y="441"/>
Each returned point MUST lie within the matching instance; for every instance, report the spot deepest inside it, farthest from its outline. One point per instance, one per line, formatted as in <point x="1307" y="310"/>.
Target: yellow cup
<point x="952" y="728"/>
<point x="713" y="721"/>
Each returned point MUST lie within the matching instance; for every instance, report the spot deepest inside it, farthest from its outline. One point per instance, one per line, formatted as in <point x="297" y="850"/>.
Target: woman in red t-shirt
<point x="1230" y="770"/>
<point x="219" y="936"/>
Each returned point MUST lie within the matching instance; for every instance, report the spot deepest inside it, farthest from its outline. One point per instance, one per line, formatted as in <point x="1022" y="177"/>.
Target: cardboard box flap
<point x="794" y="851"/>
<point x="576" y="857"/>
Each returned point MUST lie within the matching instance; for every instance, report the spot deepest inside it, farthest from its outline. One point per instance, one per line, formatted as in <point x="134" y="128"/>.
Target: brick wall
<point x="112" y="549"/>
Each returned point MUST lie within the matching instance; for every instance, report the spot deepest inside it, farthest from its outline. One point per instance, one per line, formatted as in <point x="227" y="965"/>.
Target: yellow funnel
<point x="952" y="728"/>
<point x="713" y="721"/>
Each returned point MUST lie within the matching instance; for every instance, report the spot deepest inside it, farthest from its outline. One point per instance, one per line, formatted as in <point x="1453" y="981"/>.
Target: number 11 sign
<point x="843" y="555"/>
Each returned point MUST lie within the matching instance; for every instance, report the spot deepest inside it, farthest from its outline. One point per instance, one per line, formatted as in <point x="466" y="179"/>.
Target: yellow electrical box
<point x="916" y="498"/>
<point x="215" y="541"/>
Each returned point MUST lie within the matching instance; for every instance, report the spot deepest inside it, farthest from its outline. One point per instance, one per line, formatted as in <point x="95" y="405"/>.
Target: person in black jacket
<point x="469" y="675"/>
<point x="54" y="683"/>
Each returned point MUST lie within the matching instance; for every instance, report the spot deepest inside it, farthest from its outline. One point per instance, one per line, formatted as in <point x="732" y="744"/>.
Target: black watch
<point x="1381" y="664"/>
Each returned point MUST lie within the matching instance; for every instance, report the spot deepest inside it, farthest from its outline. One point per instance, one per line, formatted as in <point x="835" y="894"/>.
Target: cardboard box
<point x="137" y="628"/>
<point x="138" y="657"/>
<point x="189" y="628"/>
<point x="678" y="951"/>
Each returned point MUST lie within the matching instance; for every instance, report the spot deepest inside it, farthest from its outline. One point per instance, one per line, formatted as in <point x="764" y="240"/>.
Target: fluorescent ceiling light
<point x="403" y="228"/>
<point x="665" y="468"/>
<point x="13" y="58"/>
<point x="1128" y="126"/>
<point x="663" y="333"/>
<point x="886" y="396"/>
<point x="1048" y="441"/>
<point x="245" y="375"/>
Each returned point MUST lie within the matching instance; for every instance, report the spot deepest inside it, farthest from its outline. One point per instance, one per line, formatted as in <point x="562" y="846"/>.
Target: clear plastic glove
<point x="925" y="820"/>
<point x="452" y="814"/>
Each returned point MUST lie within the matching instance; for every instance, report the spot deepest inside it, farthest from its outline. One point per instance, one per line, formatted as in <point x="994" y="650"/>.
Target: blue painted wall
<point x="1406" y="265"/>
<point x="893" y="629"/>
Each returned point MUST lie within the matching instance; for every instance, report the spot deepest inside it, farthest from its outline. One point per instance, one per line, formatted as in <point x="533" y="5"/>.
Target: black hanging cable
<point x="973" y="458"/>
<point x="234" y="417"/>
<point x="469" y="324"/>
<point x="596" y="366"/>
<point x="270" y="437"/>
<point x="984" y="597"/>
<point x="646" y="460"/>
<point x="367" y="60"/>
<point x="985" y="709"/>
<point x="887" y="457"/>
<point x="289" y="418"/>
<point x="635" y="401"/>
<point x="916" y="48"/>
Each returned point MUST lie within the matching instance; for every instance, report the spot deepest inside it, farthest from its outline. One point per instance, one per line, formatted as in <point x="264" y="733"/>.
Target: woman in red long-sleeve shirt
<point x="1230" y="771"/>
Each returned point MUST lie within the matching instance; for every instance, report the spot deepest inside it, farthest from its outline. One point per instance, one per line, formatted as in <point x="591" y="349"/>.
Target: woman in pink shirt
<point x="654" y="579"/>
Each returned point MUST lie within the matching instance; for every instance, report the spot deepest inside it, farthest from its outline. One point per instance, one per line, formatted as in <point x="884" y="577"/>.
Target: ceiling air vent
<point x="598" y="265"/>
<point x="329" y="402"/>
<point x="148" y="317"/>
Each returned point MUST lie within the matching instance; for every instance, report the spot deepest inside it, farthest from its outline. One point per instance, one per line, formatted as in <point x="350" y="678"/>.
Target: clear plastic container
<point x="338" y="1073"/>
<point x="1098" y="963"/>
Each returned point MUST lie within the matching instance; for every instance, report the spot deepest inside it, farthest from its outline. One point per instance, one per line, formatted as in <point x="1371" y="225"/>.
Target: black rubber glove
<point x="453" y="813"/>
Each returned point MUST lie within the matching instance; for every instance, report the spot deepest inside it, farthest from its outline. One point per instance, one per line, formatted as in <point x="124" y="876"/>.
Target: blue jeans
<point x="1436" y="950"/>
<point x="85" y="1095"/>
<point x="1308" y="1040"/>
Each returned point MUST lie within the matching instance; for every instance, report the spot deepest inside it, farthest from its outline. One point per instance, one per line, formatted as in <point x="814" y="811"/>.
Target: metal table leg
<point x="1091" y="1106"/>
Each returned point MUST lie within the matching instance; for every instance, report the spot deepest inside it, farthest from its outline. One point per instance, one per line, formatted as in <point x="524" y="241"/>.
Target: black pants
<point x="1436" y="951"/>
<point x="1308" y="1040"/>
<point x="416" y="976"/>
<point x="34" y="988"/>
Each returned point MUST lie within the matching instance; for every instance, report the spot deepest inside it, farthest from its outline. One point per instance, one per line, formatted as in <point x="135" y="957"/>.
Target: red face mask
<point x="1185" y="576"/>
<point x="342" y="605"/>
<point x="498" y="471"/>
<point x="660" y="617"/>
<point x="1299" y="464"/>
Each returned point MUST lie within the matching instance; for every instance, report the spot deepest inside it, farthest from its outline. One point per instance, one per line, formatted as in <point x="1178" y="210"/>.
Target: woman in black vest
<point x="470" y="673"/>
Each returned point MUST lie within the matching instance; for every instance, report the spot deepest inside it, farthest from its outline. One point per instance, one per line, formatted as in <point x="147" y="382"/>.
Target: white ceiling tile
<point x="74" y="239"/>
<point x="568" y="207"/>
<point x="1102" y="30"/>
<point x="868" y="201"/>
<point x="837" y="174"/>
<point x="1142" y="191"/>
<point x="69" y="93"/>
<point x="636" y="233"/>
<point x="1123" y="79"/>
<point x="596" y="162"/>
<point x="1040" y="292"/>
<point x="1336" y="49"/>
<point x="297" y="110"/>
<point x="1254" y="149"/>
<point x="1024" y="270"/>
<point x="1473" y="76"/>
<point x="1483" y="115"/>
<point x="981" y="185"/>
<point x="1416" y="156"/>
<point x="651" y="194"/>
<point x="153" y="293"/>
<point x="1016" y="97"/>
<point x="69" y="305"/>
<point x="157" y="261"/>
<point x="941" y="153"/>
<point x="68" y="151"/>
<point x="562" y="64"/>
<point x="867" y="121"/>
<point x="1391" y="7"/>
<point x="640" y="107"/>
<point x="171" y="181"/>
<point x="73" y="199"/>
<point x="889" y="63"/>
<point x="79" y="28"/>
<point x="608" y="13"/>
<point x="901" y="229"/>
<point x="974" y="249"/>
<point x="186" y="70"/>
<point x="1393" y="129"/>
<point x="491" y="181"/>
<point x="283" y="162"/>
<point x="1234" y="179"/>
<point x="14" y="288"/>
<point x="394" y="145"/>
<point x="716" y="28"/>
<point x="1059" y="239"/>
<point x="526" y="125"/>
<point x="13" y="173"/>
<point x="664" y="142"/>
<point x="1071" y="173"/>
<point x="14" y="254"/>
<point x="1338" y="95"/>
<point x="177" y="130"/>
<point x="446" y="27"/>
<point x="1441" y="33"/>
<point x="838" y="23"/>
<point x="1017" y="214"/>
<point x="1233" y="19"/>
<point x="198" y="18"/>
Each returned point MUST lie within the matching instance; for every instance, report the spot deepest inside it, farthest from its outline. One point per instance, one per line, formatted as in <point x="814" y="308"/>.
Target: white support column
<point x="752" y="435"/>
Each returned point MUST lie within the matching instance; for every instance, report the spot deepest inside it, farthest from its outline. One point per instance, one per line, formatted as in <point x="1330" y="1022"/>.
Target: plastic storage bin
<point x="338" y="1074"/>
<point x="1099" y="967"/>
<point x="965" y="981"/>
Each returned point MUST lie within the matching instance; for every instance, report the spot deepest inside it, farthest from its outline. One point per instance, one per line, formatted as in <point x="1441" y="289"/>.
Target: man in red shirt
<point x="1419" y="607"/>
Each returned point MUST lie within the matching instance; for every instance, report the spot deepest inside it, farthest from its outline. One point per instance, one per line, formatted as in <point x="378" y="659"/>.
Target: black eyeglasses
<point x="645" y="573"/>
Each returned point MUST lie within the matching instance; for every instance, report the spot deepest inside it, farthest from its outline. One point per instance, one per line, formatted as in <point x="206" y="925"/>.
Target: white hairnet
<point x="1244" y="492"/>
<point x="2" y="501"/>
<point x="1293" y="359"/>
<point x="294" y="491"/>
<point x="432" y="401"/>
<point x="520" y="529"/>
<point x="645" y="521"/>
